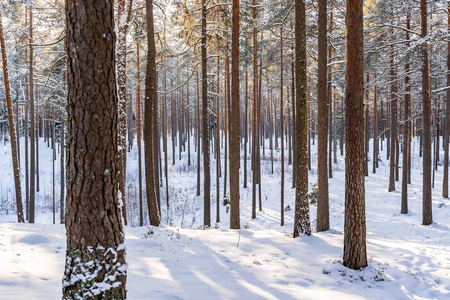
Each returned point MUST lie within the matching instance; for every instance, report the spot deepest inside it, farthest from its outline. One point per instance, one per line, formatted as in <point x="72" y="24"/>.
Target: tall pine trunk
<point x="32" y="127"/>
<point x="12" y="131"/>
<point x="95" y="237"/>
<point x="301" y="215"/>
<point x="355" y="254"/>
<point x="447" y="117"/>
<point x="406" y="141"/>
<point x="123" y="16"/>
<point x="150" y="97"/>
<point x="234" y="121"/>
<point x="375" y="129"/>
<point x="205" y="124"/>
<point x="139" y="143"/>
<point x="393" y="122"/>
<point x="427" y="215"/>
<point x="323" y="219"/>
<point x="281" y="128"/>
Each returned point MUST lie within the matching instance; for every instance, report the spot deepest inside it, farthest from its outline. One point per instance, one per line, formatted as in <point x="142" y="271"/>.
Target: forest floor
<point x="182" y="260"/>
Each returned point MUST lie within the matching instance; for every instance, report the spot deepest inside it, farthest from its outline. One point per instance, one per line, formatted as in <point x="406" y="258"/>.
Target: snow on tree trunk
<point x="301" y="218"/>
<point x="355" y="255"/>
<point x="123" y="20"/>
<point x="95" y="256"/>
<point x="206" y="124"/>
<point x="427" y="216"/>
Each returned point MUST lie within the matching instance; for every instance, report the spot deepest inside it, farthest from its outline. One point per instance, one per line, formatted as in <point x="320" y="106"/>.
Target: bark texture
<point x="406" y="141"/>
<point x="32" y="128"/>
<point x="206" y="125"/>
<point x="427" y="215"/>
<point x="301" y="218"/>
<point x="447" y="118"/>
<point x="123" y="20"/>
<point x="355" y="255"/>
<point x="150" y="97"/>
<point x="95" y="256"/>
<point x="393" y="123"/>
<point x="234" y="121"/>
<point x="323" y="218"/>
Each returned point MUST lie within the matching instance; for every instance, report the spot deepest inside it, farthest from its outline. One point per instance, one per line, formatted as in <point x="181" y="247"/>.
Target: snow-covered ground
<point x="182" y="260"/>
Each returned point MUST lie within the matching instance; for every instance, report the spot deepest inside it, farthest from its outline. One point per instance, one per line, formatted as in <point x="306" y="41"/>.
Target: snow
<point x="260" y="261"/>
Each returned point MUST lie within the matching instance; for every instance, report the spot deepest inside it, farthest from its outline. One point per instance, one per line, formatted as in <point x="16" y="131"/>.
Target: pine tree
<point x="355" y="255"/>
<point x="32" y="126"/>
<point x="95" y="256"/>
<point x="406" y="141"/>
<point x="11" y="125"/>
<point x="123" y="17"/>
<point x="427" y="216"/>
<point x="150" y="97"/>
<point x="323" y="219"/>
<point x="234" y="121"/>
<point x="206" y="124"/>
<point x="447" y="118"/>
<point x="301" y="218"/>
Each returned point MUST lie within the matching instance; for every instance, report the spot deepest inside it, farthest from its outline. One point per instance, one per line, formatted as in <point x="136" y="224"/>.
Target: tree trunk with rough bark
<point x="393" y="122"/>
<point x="206" y="125"/>
<point x="301" y="214"/>
<point x="234" y="121"/>
<point x="12" y="131"/>
<point x="139" y="142"/>
<point x="375" y="129"/>
<point x="255" y="143"/>
<point x="123" y="16"/>
<point x="406" y="141"/>
<point x="323" y="218"/>
<point x="447" y="118"/>
<point x="427" y="215"/>
<point x="95" y="256"/>
<point x="355" y="254"/>
<point x="62" y="177"/>
<point x="32" y="128"/>
<point x="150" y="97"/>
<point x="281" y="128"/>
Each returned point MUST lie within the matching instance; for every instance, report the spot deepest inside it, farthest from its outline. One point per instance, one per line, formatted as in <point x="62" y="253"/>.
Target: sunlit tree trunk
<point x="406" y="141"/>
<point x="234" y="121"/>
<point x="123" y="16"/>
<point x="246" y="129"/>
<point x="447" y="117"/>
<point x="375" y="129"/>
<point x="53" y="164"/>
<point x="32" y="127"/>
<point x="427" y="215"/>
<point x="393" y="122"/>
<point x="218" y="143"/>
<point x="329" y="104"/>
<point x="366" y="129"/>
<point x="94" y="227"/>
<point x="255" y="133"/>
<point x="355" y="254"/>
<point x="206" y="124"/>
<point x="301" y="215"/>
<point x="139" y="143"/>
<point x="150" y="97"/>
<point x="12" y="131"/>
<point x="323" y="222"/>
<point x="198" y="135"/>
